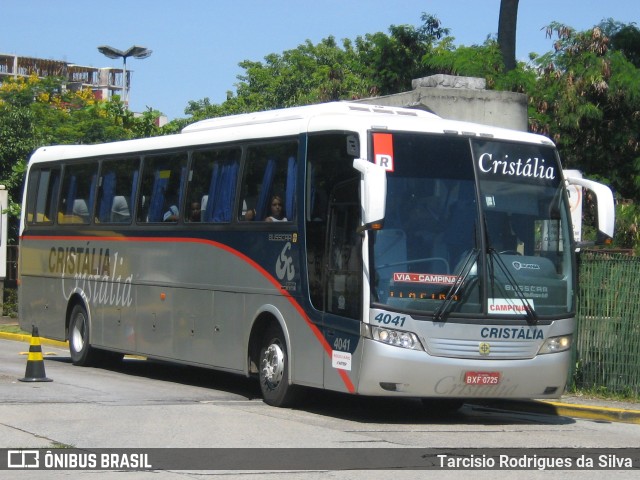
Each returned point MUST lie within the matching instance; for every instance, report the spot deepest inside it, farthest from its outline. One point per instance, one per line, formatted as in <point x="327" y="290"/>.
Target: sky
<point x="197" y="44"/>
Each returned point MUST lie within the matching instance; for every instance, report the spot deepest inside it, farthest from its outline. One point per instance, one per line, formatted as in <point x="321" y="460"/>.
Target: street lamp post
<point x="135" y="52"/>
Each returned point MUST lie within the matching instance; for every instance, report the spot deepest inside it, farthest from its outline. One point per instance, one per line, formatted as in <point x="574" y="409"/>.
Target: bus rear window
<point x="43" y="190"/>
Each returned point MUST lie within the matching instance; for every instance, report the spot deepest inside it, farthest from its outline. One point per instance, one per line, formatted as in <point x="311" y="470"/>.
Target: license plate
<point x="482" y="378"/>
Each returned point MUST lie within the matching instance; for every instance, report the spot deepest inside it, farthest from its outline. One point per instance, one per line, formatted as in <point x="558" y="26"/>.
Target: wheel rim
<point x="77" y="336"/>
<point x="273" y="366"/>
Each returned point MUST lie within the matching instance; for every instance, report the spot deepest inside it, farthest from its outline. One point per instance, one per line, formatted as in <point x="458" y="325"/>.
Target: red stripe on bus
<point x="316" y="331"/>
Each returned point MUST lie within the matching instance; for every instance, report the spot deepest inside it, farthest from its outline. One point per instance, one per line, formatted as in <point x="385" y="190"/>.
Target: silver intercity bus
<point x="368" y="250"/>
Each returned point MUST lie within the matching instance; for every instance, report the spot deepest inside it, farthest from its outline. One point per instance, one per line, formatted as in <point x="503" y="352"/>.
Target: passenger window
<point x="78" y="193"/>
<point x="344" y="270"/>
<point x="269" y="183"/>
<point x="161" y="189"/>
<point x="43" y="192"/>
<point x="331" y="241"/>
<point x="212" y="185"/>
<point x="116" y="196"/>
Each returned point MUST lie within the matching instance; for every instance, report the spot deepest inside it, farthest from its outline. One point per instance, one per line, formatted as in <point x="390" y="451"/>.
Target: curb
<point x="560" y="409"/>
<point x="27" y="338"/>
<point x="608" y="414"/>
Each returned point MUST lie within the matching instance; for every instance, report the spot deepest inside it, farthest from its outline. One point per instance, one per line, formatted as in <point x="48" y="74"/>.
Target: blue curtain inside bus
<point x="290" y="201"/>
<point x="108" y="194"/>
<point x="219" y="201"/>
<point x="71" y="194"/>
<point x="156" y="204"/>
<point x="264" y="200"/>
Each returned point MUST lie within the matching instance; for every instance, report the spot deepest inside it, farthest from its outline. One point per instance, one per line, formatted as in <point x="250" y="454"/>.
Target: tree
<point x="507" y="32"/>
<point x="587" y="98"/>
<point x="391" y="62"/>
<point x="373" y="64"/>
<point x="624" y="38"/>
<point x="41" y="111"/>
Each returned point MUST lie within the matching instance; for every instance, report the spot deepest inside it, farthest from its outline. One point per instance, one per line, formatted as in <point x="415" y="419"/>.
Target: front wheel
<point x="274" y="370"/>
<point x="81" y="351"/>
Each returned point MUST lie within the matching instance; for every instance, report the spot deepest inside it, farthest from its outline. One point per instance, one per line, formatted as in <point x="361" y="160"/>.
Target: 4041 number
<point x="388" y="319"/>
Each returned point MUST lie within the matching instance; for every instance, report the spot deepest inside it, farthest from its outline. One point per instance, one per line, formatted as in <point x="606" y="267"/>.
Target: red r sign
<point x="383" y="150"/>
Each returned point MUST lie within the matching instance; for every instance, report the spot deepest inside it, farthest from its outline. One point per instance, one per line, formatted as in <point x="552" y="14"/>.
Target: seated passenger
<point x="171" y="211"/>
<point x="196" y="212"/>
<point x="277" y="210"/>
<point x="120" y="210"/>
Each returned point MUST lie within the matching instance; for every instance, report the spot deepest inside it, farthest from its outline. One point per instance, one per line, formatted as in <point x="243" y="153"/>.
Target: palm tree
<point x="507" y="32"/>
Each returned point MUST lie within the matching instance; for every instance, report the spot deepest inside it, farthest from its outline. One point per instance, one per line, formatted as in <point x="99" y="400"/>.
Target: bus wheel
<point x="81" y="351"/>
<point x="274" y="370"/>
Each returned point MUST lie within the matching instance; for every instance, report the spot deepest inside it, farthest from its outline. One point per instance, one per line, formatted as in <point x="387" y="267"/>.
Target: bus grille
<point x="486" y="350"/>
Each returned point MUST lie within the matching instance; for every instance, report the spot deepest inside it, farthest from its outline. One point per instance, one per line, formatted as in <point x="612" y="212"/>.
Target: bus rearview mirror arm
<point x="604" y="196"/>
<point x="374" y="193"/>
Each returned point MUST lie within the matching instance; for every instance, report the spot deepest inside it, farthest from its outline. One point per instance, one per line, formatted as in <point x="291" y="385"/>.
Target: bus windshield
<point x="473" y="227"/>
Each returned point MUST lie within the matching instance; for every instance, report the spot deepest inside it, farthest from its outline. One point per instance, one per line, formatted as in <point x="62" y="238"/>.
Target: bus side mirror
<point x="374" y="193"/>
<point x="606" y="208"/>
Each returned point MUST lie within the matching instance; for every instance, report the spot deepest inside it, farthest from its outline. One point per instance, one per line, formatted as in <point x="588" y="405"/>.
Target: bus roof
<point x="301" y="113"/>
<point x="287" y="122"/>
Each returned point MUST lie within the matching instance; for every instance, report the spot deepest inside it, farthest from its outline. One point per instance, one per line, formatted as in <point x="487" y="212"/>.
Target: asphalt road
<point x="140" y="404"/>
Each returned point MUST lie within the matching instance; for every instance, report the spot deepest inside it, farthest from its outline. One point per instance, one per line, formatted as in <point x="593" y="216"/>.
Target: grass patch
<point x="10" y="303"/>
<point x="13" y="329"/>
<point x="603" y="393"/>
<point x="61" y="445"/>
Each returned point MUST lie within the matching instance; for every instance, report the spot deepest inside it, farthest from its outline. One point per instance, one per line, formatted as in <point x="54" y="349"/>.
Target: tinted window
<point x="116" y="197"/>
<point x="212" y="185"/>
<point x="78" y="193"/>
<point x="269" y="179"/>
<point x="160" y="192"/>
<point x="42" y="193"/>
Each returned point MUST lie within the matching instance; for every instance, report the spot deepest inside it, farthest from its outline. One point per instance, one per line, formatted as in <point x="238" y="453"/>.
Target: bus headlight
<point x="397" y="338"/>
<point x="556" y="344"/>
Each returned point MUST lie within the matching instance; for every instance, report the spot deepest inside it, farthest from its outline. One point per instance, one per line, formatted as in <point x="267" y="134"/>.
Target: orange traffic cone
<point x="35" y="362"/>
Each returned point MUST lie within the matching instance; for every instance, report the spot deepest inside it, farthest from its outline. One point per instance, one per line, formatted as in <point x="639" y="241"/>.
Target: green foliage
<point x="392" y="61"/>
<point x="587" y="98"/>
<point x="373" y="64"/>
<point x="475" y="61"/>
<point x="35" y="112"/>
<point x="308" y="74"/>
<point x="627" y="233"/>
<point x="584" y="94"/>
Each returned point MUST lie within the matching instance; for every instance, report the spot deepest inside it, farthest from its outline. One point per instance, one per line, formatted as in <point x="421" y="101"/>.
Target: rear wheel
<point x="274" y="370"/>
<point x="81" y="351"/>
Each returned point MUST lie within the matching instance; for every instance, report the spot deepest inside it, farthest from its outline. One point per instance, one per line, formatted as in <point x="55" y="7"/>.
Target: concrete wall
<point x="461" y="98"/>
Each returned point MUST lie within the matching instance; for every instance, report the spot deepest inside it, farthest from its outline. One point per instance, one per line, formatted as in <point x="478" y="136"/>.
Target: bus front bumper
<point x="393" y="371"/>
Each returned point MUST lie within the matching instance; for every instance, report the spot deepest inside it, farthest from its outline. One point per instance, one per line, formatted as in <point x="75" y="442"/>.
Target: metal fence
<point x="607" y="347"/>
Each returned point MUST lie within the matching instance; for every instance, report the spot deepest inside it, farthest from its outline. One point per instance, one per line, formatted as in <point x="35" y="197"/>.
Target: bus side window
<point x="161" y="189"/>
<point x="78" y="193"/>
<point x="344" y="284"/>
<point x="116" y="196"/>
<point x="212" y="185"/>
<point x="270" y="171"/>
<point x="43" y="191"/>
<point x="330" y="162"/>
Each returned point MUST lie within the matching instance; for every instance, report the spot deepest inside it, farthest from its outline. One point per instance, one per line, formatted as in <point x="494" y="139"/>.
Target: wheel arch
<point x="77" y="297"/>
<point x="264" y="318"/>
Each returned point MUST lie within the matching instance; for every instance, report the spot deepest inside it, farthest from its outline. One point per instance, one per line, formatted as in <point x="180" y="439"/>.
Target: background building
<point x="461" y="98"/>
<point x="104" y="82"/>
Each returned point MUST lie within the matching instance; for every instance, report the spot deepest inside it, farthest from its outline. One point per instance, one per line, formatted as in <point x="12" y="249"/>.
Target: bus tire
<point x="82" y="353"/>
<point x="274" y="370"/>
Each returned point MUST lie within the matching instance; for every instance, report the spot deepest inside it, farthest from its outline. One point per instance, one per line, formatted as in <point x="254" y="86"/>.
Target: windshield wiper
<point x="529" y="312"/>
<point x="461" y="278"/>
